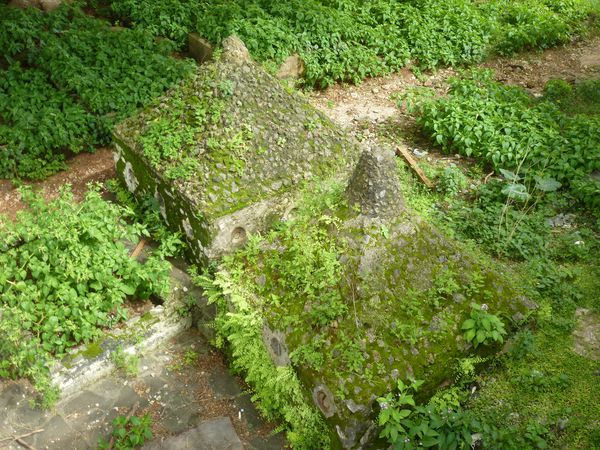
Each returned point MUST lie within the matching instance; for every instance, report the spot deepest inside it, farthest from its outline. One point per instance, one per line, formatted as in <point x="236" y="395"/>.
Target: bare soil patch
<point x="370" y="103"/>
<point x="83" y="169"/>
<point x="532" y="70"/>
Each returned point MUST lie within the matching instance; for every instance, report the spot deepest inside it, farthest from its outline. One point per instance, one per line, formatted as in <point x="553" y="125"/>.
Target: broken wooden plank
<point x="402" y="151"/>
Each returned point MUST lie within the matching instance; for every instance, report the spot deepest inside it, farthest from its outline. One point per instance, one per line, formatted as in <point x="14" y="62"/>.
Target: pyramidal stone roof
<point x="224" y="152"/>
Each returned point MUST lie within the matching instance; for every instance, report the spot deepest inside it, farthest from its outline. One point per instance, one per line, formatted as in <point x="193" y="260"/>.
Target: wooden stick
<point x="487" y="177"/>
<point x="401" y="151"/>
<point x="10" y="438"/>
<point x="24" y="444"/>
<point x="131" y="413"/>
<point x="138" y="248"/>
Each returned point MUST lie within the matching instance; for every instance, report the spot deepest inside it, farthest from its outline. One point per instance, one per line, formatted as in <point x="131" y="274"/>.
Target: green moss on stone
<point x="92" y="350"/>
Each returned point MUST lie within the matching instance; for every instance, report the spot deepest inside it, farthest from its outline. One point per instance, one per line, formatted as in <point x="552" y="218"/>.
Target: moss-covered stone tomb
<point x="329" y="288"/>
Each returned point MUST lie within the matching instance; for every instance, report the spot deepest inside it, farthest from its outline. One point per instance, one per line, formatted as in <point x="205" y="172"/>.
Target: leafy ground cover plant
<point x="350" y="40"/>
<point x="536" y="24"/>
<point x="129" y="432"/>
<point x="539" y="394"/>
<point x="65" y="274"/>
<point x="69" y="77"/>
<point x="443" y="423"/>
<point x="508" y="129"/>
<point x="482" y="327"/>
<point x="37" y="121"/>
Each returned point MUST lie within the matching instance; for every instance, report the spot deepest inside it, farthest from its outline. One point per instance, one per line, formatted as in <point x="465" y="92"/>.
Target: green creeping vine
<point x="277" y="390"/>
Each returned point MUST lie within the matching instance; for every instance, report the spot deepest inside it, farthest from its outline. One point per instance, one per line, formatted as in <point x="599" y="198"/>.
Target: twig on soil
<point x="19" y="438"/>
<point x="487" y="177"/>
<point x="401" y="151"/>
<point x="131" y="413"/>
<point x="24" y="444"/>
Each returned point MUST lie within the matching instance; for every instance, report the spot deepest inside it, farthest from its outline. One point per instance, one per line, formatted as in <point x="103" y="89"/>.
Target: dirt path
<point x="83" y="169"/>
<point x="533" y="69"/>
<point x="369" y="104"/>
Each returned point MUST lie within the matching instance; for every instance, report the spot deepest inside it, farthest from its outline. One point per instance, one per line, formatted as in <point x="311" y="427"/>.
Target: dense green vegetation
<point x="65" y="79"/>
<point x="65" y="275"/>
<point x="348" y="40"/>
<point x="538" y="393"/>
<point x="543" y="147"/>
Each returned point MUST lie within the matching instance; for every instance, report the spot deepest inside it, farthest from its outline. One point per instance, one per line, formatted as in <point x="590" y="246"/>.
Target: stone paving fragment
<point x="166" y="388"/>
<point x="213" y="434"/>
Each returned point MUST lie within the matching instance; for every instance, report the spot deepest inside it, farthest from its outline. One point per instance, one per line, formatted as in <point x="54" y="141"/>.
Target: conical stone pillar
<point x="374" y="186"/>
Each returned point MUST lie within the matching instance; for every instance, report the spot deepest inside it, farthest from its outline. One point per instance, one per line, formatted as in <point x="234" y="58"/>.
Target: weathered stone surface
<point x="200" y="49"/>
<point x="292" y="67"/>
<point x="407" y="287"/>
<point x="374" y="186"/>
<point x="213" y="434"/>
<point x="249" y="159"/>
<point x="275" y="343"/>
<point x="25" y="4"/>
<point x="50" y="5"/>
<point x="234" y="51"/>
<point x="586" y="336"/>
<point x="80" y="420"/>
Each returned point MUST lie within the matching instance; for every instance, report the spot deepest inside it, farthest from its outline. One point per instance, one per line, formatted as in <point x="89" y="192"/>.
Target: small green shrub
<point x="483" y="328"/>
<point x="129" y="432"/>
<point x="124" y="362"/>
<point x="408" y="426"/>
<point x="451" y="181"/>
<point x="502" y="226"/>
<point x="523" y="344"/>
<point x="505" y="127"/>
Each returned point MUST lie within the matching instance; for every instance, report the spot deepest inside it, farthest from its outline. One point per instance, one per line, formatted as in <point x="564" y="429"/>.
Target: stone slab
<point x="219" y="180"/>
<point x="213" y="434"/>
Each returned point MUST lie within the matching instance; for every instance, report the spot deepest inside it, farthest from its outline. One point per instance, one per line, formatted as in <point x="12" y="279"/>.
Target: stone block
<point x="200" y="49"/>
<point x="50" y="5"/>
<point x="399" y="280"/>
<point x="292" y="67"/>
<point x="213" y="434"/>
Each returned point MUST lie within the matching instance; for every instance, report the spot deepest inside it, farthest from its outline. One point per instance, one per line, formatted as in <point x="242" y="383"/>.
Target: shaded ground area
<point x="182" y="386"/>
<point x="84" y="168"/>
